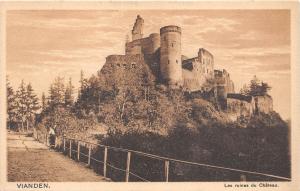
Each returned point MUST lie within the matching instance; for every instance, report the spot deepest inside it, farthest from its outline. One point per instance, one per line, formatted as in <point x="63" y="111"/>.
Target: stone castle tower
<point x="170" y="55"/>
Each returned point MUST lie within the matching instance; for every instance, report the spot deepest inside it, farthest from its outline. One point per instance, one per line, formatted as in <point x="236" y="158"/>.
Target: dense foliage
<point x="22" y="106"/>
<point x="264" y="148"/>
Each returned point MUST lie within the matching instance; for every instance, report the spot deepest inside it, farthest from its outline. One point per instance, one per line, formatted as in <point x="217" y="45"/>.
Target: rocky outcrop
<point x="239" y="105"/>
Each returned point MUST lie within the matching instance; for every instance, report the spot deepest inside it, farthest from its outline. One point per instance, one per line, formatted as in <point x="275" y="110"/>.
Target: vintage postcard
<point x="149" y="95"/>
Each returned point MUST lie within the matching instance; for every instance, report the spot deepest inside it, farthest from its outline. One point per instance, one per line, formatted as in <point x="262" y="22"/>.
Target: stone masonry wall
<point x="146" y="45"/>
<point x="264" y="103"/>
<point x="240" y="107"/>
<point x="197" y="71"/>
<point x="125" y="71"/>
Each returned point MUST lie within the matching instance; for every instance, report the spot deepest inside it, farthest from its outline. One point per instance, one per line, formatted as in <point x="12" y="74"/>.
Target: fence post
<point x="64" y="144"/>
<point x="167" y="164"/>
<point x="78" y="150"/>
<point x="128" y="167"/>
<point x="70" y="148"/>
<point x="46" y="140"/>
<point x="243" y="178"/>
<point x="89" y="158"/>
<point x="104" y="161"/>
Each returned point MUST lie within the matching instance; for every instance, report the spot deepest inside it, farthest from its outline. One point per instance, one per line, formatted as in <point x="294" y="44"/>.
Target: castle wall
<point x="198" y="71"/>
<point x="224" y="84"/>
<point x="123" y="70"/>
<point x="240" y="105"/>
<point x="207" y="63"/>
<point x="189" y="81"/>
<point x="170" y="55"/>
<point x="134" y="47"/>
<point x="151" y="44"/>
<point x="264" y="103"/>
<point x="192" y="81"/>
<point x="148" y="45"/>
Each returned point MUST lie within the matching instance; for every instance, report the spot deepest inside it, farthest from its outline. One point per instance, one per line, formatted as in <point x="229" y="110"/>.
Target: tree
<point x="69" y="99"/>
<point x="83" y="84"/>
<point x="88" y="96"/>
<point x="32" y="105"/>
<point x="57" y="93"/>
<point x="21" y="97"/>
<point x="264" y="88"/>
<point x="255" y="88"/>
<point x="44" y="102"/>
<point x="11" y="104"/>
<point x="244" y="90"/>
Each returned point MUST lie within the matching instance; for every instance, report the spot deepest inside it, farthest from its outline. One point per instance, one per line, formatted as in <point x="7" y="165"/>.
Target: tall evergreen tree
<point x="11" y="104"/>
<point x="32" y="105"/>
<point x="21" y="97"/>
<point x="83" y="84"/>
<point x="44" y="102"/>
<point x="256" y="88"/>
<point x="69" y="99"/>
<point x="57" y="93"/>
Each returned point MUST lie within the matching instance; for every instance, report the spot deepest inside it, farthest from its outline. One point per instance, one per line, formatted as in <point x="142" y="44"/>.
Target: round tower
<point x="170" y="55"/>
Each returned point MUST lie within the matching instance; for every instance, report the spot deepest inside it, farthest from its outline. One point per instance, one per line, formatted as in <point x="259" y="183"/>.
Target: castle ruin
<point x="159" y="55"/>
<point x="173" y="68"/>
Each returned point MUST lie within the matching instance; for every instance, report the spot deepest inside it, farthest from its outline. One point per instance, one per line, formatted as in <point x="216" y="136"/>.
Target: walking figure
<point x="52" y="137"/>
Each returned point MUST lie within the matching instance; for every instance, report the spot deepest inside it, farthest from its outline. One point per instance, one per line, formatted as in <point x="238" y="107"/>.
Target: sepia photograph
<point x="148" y="95"/>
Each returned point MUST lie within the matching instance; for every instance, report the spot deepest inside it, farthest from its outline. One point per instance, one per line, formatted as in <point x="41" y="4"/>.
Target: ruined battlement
<point x="138" y="27"/>
<point x="221" y="73"/>
<point x="205" y="54"/>
<point x="197" y="71"/>
<point x="222" y="77"/>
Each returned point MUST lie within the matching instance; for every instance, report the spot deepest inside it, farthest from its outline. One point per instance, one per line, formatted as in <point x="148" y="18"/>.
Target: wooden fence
<point x="83" y="151"/>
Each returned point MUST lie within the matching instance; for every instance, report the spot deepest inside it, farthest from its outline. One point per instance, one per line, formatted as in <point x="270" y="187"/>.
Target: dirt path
<point x="29" y="160"/>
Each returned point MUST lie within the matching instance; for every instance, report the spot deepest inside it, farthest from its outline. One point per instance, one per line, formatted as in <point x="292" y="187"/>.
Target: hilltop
<point x="156" y="100"/>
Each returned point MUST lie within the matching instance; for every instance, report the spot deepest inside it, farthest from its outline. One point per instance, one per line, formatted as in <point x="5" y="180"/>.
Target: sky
<point x="42" y="45"/>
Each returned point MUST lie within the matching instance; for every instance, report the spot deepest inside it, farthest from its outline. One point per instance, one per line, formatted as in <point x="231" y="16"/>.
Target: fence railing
<point x="89" y="153"/>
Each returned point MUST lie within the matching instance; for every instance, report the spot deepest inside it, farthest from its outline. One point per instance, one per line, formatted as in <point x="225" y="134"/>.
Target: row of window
<point x="127" y="66"/>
